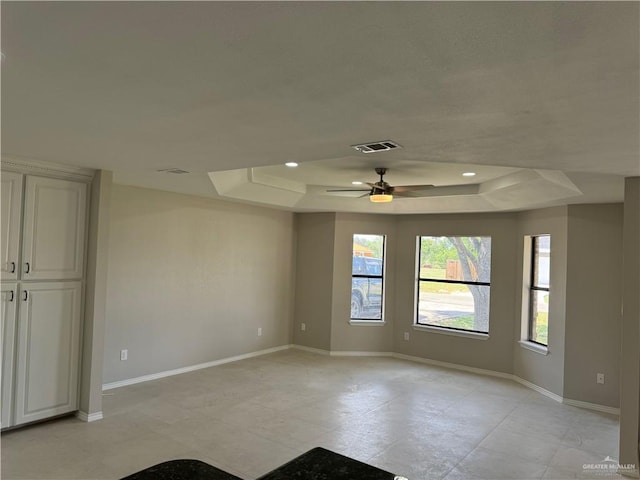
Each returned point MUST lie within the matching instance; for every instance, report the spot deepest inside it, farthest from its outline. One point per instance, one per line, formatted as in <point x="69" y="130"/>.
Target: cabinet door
<point x="11" y="210"/>
<point x="54" y="229"/>
<point x="7" y="346"/>
<point x="48" y="349"/>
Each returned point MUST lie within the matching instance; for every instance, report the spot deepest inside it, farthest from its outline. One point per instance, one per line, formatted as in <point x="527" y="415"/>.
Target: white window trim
<point x="534" y="347"/>
<point x="381" y="321"/>
<point x="448" y="331"/>
<point x="433" y="328"/>
<point x="526" y="297"/>
<point x="367" y="323"/>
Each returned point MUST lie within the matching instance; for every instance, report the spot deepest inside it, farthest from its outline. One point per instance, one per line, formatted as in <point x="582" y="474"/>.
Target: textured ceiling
<point x="211" y="86"/>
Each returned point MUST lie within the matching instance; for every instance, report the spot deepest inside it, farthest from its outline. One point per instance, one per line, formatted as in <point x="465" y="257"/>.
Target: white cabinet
<point x="11" y="190"/>
<point x="7" y="344"/>
<point x="54" y="226"/>
<point x="48" y="346"/>
<point x="43" y="242"/>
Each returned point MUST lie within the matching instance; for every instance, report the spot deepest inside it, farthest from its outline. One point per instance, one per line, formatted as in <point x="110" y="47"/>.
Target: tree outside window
<point x="454" y="283"/>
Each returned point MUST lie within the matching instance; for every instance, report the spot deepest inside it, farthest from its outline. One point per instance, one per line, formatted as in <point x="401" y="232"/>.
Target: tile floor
<point x="251" y="416"/>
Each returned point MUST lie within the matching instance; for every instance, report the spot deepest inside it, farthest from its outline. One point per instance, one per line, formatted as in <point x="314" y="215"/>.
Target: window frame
<point x="368" y="276"/>
<point x="419" y="279"/>
<point x="533" y="287"/>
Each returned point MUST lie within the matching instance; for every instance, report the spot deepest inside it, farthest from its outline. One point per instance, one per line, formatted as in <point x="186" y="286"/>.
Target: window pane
<point x="368" y="252"/>
<point x="541" y="261"/>
<point x="540" y="316"/>
<point x="456" y="258"/>
<point x="367" y="269"/>
<point x="366" y="298"/>
<point x="460" y="306"/>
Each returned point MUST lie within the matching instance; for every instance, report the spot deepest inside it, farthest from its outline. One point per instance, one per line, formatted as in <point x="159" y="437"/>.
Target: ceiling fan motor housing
<point x="381" y="186"/>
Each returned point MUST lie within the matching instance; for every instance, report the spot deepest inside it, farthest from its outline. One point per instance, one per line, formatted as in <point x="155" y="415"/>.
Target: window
<point x="538" y="324"/>
<point x="454" y="275"/>
<point x="367" y="277"/>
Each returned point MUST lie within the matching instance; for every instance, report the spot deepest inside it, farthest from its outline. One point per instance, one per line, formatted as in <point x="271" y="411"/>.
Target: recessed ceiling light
<point x="469" y="174"/>
<point x="291" y="164"/>
<point x="356" y="183"/>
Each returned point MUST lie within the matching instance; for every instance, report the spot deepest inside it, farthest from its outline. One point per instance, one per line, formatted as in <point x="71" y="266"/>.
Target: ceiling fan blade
<point x="350" y="190"/>
<point x="413" y="193"/>
<point x="411" y="188"/>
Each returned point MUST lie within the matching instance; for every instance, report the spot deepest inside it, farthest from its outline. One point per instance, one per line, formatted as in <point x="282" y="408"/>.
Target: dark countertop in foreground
<point x="321" y="464"/>
<point x="316" y="464"/>
<point x="182" y="470"/>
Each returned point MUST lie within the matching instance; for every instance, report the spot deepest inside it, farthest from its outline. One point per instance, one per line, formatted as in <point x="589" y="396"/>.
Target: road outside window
<point x="454" y="283"/>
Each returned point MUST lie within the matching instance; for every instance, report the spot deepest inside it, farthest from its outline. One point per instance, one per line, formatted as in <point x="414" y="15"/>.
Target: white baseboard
<point x="178" y="371"/>
<point x="89" y="417"/>
<point x="310" y="349"/>
<point x="356" y="353"/>
<point x="522" y="381"/>
<point x="538" y="388"/>
<point x="455" y="366"/>
<point x="480" y="371"/>
<point x="591" y="406"/>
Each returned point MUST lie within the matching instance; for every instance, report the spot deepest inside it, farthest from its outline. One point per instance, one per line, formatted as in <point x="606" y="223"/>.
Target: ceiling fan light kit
<point x="381" y="197"/>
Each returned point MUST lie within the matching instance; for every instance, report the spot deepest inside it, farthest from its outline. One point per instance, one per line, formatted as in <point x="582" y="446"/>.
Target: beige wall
<point x="191" y="279"/>
<point x="314" y="279"/>
<point x="494" y="353"/>
<point x="630" y="358"/>
<point x="593" y="303"/>
<point x="546" y="371"/>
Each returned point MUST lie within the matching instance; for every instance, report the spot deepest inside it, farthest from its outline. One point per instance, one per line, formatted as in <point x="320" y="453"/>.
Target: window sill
<point x="367" y="323"/>
<point x="534" y="347"/>
<point x="455" y="333"/>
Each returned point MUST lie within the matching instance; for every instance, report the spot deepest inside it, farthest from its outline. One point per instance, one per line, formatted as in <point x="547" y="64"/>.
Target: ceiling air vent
<point x="372" y="147"/>
<point x="175" y="171"/>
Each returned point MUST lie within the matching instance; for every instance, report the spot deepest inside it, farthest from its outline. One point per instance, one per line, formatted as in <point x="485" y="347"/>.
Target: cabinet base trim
<point x="89" y="417"/>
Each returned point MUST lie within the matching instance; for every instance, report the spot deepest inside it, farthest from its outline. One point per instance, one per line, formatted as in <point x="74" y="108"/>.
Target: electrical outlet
<point x="406" y="335"/>
<point x="303" y="327"/>
<point x="124" y="354"/>
<point x="600" y="378"/>
<point x="259" y="331"/>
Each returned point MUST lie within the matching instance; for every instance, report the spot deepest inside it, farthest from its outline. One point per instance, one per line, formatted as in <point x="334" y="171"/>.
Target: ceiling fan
<point x="381" y="191"/>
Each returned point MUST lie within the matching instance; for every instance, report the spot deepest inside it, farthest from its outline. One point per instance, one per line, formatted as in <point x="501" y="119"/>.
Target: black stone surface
<point x="182" y="470"/>
<point x="322" y="464"/>
<point x="316" y="464"/>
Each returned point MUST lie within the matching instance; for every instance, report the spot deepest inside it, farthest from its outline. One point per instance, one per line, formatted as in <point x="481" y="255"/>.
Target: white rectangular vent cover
<point x="175" y="171"/>
<point x="372" y="147"/>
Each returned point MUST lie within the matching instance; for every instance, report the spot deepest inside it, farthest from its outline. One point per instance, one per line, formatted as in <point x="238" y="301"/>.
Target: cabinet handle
<point x="28" y="268"/>
<point x="26" y="295"/>
<point x="11" y="296"/>
<point x="13" y="267"/>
